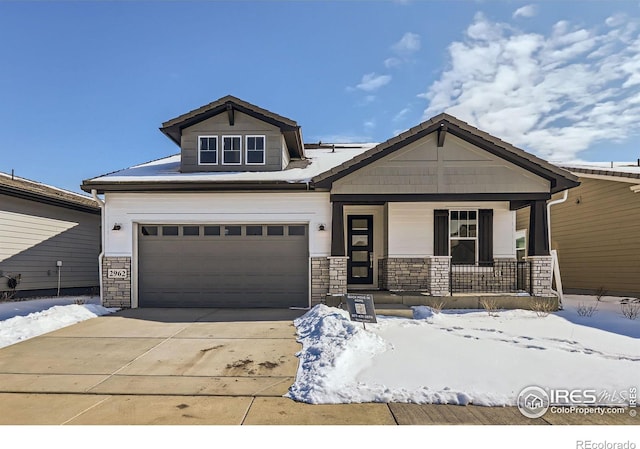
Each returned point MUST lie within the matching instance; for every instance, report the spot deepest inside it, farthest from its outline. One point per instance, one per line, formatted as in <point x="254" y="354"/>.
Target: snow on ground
<point x="21" y="320"/>
<point x="465" y="356"/>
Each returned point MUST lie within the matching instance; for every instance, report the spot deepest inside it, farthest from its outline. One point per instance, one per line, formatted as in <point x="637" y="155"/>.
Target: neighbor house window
<point x="255" y="150"/>
<point x="463" y="236"/>
<point x="207" y="150"/>
<point x="521" y="244"/>
<point x="231" y="150"/>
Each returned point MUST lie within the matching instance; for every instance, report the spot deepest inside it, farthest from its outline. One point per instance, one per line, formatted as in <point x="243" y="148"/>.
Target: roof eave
<point x="191" y="186"/>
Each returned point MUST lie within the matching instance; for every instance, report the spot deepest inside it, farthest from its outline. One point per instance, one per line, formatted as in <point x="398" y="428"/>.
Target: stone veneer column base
<point x="541" y="275"/>
<point x="116" y="292"/>
<point x="319" y="280"/>
<point x="337" y="275"/>
<point x="439" y="268"/>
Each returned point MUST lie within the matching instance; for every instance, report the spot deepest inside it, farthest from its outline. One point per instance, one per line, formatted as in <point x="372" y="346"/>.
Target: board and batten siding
<point x="410" y="227"/>
<point x="129" y="209"/>
<point x="34" y="236"/>
<point x="243" y="126"/>
<point x="596" y="235"/>
<point x="457" y="167"/>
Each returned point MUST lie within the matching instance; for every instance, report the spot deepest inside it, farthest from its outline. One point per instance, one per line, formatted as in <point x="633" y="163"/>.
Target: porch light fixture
<point x="321" y="227"/>
<point x="117" y="226"/>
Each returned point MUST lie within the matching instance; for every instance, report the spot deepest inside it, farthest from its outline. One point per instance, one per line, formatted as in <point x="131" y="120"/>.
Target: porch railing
<point x="508" y="276"/>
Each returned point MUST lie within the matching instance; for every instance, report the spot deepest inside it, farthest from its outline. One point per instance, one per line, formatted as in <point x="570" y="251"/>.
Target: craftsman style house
<point x="247" y="215"/>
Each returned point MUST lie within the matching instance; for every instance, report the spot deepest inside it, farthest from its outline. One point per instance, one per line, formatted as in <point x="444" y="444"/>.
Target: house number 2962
<point x="116" y="273"/>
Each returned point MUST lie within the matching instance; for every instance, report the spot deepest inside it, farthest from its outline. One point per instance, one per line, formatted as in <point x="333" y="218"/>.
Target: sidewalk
<point x="197" y="366"/>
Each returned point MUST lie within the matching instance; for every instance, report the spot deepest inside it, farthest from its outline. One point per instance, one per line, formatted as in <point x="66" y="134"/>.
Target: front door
<point x="360" y="249"/>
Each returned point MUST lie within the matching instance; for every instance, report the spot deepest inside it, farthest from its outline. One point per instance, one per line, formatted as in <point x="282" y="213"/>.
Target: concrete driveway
<point x="193" y="366"/>
<point x="160" y="351"/>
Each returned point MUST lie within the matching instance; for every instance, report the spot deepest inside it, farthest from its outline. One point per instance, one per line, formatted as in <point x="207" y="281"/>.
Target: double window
<point x="231" y="150"/>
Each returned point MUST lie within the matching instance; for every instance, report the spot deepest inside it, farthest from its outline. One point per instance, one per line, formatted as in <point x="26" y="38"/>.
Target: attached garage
<point x="223" y="265"/>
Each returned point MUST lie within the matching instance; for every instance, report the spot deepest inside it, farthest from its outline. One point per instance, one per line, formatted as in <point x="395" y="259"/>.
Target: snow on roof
<point x="168" y="169"/>
<point x="615" y="169"/>
<point x="44" y="190"/>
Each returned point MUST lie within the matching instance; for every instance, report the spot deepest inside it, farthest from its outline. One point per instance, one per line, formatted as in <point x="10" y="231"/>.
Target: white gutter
<point x="635" y="189"/>
<point x="553" y="203"/>
<point x="94" y="194"/>
<point x="554" y="254"/>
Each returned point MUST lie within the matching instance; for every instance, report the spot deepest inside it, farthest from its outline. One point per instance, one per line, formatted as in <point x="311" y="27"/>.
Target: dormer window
<point x="208" y="150"/>
<point x="231" y="150"/>
<point x="255" y="150"/>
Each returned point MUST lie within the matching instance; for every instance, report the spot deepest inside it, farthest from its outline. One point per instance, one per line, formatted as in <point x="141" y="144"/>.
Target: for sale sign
<point x="361" y="308"/>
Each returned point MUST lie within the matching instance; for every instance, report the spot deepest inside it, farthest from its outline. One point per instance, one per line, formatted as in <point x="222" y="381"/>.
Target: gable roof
<point x="35" y="191"/>
<point x="289" y="128"/>
<point x="559" y="179"/>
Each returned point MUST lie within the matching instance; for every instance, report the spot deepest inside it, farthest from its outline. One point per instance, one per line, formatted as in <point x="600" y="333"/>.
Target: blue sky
<point x="84" y="86"/>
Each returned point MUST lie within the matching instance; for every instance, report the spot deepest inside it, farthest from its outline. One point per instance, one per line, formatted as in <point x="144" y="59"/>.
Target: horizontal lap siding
<point x="34" y="236"/>
<point x="597" y="239"/>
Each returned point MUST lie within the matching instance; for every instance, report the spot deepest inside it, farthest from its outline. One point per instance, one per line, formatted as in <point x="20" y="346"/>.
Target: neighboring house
<point x="46" y="232"/>
<point x="247" y="215"/>
<point x="595" y="231"/>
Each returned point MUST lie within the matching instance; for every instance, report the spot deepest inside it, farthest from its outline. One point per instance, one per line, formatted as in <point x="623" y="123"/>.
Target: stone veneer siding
<point x="541" y="275"/>
<point x="429" y="274"/>
<point x="400" y="273"/>
<point x="439" y="275"/>
<point x="337" y="275"/>
<point x="116" y="292"/>
<point x="319" y="280"/>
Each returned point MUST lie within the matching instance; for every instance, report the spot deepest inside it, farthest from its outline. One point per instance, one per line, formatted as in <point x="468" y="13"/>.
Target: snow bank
<point x="19" y="328"/>
<point x="462" y="357"/>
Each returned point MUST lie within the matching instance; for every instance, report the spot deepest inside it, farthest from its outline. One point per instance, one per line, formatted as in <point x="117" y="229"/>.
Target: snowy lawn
<point x="466" y="356"/>
<point x="21" y="320"/>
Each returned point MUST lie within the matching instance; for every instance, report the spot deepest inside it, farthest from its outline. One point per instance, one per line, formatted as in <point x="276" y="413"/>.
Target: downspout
<point x="94" y="194"/>
<point x="556" y="269"/>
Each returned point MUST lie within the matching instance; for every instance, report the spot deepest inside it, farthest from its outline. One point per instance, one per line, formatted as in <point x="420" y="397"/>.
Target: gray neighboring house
<point x="41" y="228"/>
<point x="247" y="215"/>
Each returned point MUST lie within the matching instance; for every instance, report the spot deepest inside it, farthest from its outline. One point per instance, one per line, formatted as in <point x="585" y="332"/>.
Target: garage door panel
<point x="223" y="271"/>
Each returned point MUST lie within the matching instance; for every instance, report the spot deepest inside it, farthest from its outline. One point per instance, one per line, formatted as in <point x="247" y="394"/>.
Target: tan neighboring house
<point x="49" y="240"/>
<point x="247" y="215"/>
<point x="595" y="231"/>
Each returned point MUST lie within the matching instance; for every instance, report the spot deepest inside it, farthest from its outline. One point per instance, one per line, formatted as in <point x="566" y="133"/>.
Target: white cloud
<point x="555" y="94"/>
<point x="401" y="115"/>
<point x="392" y="62"/>
<point x="369" y="124"/>
<point x="525" y="11"/>
<point x="409" y="43"/>
<point x="372" y="82"/>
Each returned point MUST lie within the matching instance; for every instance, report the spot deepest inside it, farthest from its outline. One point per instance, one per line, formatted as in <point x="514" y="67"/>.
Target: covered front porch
<point x="434" y="252"/>
<point x="430" y="213"/>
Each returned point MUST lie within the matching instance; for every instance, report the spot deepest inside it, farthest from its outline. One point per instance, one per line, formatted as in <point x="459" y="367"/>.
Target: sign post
<point x="361" y="308"/>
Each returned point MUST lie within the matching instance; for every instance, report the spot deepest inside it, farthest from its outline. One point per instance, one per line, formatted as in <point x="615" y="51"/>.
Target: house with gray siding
<point x="49" y="240"/>
<point x="247" y="215"/>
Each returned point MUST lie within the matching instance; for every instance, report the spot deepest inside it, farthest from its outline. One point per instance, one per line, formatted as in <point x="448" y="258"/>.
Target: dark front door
<point x="360" y="249"/>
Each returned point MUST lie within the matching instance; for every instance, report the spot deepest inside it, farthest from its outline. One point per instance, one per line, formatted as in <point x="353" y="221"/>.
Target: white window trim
<point x="222" y="150"/>
<point x="264" y="150"/>
<point x="217" y="148"/>
<point x="465" y="238"/>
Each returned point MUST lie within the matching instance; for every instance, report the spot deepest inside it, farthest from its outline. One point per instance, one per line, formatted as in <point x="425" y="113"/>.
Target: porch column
<point x="538" y="244"/>
<point x="337" y="229"/>
<point x="338" y="259"/>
